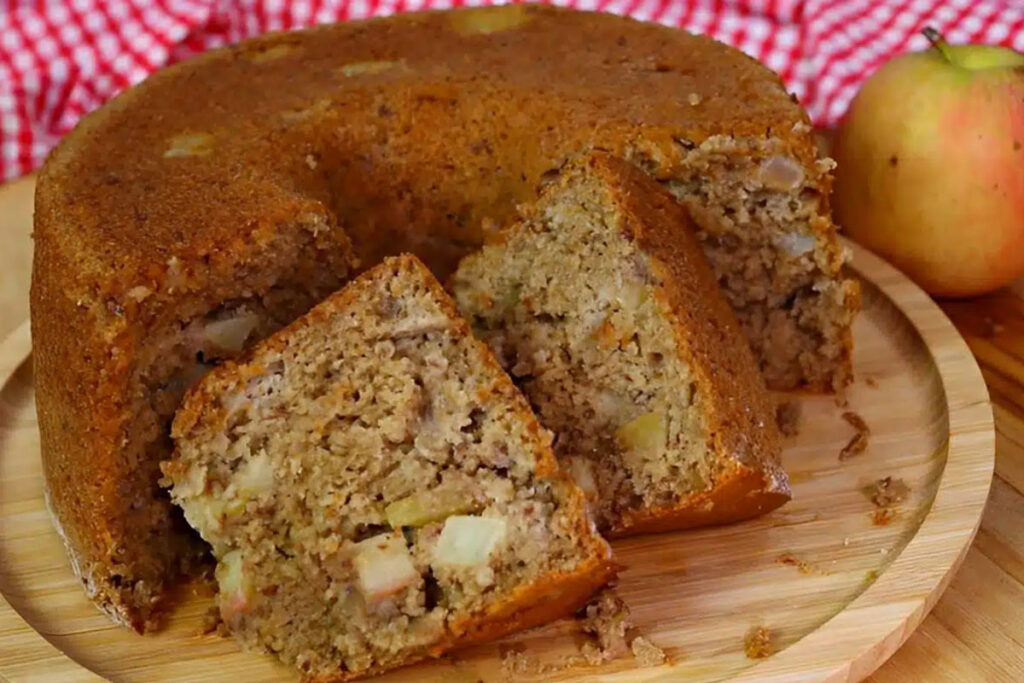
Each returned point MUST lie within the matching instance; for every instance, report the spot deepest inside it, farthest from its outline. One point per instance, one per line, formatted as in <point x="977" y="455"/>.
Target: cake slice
<point x="375" y="489"/>
<point x="601" y="305"/>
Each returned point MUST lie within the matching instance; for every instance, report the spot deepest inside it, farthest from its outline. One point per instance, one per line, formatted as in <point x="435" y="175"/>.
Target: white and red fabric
<point x="60" y="59"/>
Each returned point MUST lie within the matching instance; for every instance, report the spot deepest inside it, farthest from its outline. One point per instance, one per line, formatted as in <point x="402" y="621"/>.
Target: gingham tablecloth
<point x="60" y="59"/>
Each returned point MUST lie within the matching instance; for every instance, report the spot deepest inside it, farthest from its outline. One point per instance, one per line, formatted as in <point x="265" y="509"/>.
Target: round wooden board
<point x="838" y="586"/>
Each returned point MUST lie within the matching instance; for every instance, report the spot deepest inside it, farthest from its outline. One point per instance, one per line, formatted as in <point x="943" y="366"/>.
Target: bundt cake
<point x="602" y="306"/>
<point x="375" y="489"/>
<point x="248" y="181"/>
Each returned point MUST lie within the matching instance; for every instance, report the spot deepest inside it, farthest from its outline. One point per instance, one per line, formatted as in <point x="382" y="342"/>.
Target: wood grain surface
<point x="975" y="632"/>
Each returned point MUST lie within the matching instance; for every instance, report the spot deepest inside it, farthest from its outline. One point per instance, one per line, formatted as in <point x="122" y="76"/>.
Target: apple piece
<point x="369" y="68"/>
<point x="189" y="145"/>
<point x="487" y="20"/>
<point x="795" y="243"/>
<point x="781" y="173"/>
<point x="209" y="513"/>
<point x="632" y="296"/>
<point x="425" y="507"/>
<point x="468" y="541"/>
<point x="930" y="170"/>
<point x="582" y="471"/>
<point x="235" y="592"/>
<point x="383" y="567"/>
<point x="254" y="477"/>
<point x="644" y="434"/>
<point x="230" y="334"/>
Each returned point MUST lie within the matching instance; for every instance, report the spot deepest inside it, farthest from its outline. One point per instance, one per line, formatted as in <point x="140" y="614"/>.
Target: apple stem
<point x="938" y="42"/>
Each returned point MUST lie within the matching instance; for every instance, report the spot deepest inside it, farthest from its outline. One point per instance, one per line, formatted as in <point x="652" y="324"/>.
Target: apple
<point x="930" y="166"/>
<point x="383" y="567"/>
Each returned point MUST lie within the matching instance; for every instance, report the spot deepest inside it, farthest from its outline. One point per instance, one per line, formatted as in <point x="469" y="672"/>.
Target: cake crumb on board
<point x="791" y="560"/>
<point x="882" y="516"/>
<point x="858" y="443"/>
<point x="646" y="652"/>
<point x="211" y="621"/>
<point x="605" y="618"/>
<point x="887" y="491"/>
<point x="758" y="643"/>
<point x="515" y="663"/>
<point x="605" y="623"/>
<point x="885" y="494"/>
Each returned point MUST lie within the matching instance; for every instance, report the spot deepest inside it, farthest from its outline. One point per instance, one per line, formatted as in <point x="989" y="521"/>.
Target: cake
<point x="251" y="181"/>
<point x="602" y="306"/>
<point x="375" y="489"/>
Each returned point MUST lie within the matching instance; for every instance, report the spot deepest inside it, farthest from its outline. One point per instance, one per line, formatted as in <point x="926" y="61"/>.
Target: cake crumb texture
<point x="757" y="644"/>
<point x="888" y="491"/>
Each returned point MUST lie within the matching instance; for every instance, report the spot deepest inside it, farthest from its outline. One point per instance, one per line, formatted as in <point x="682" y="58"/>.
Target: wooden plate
<point x="838" y="584"/>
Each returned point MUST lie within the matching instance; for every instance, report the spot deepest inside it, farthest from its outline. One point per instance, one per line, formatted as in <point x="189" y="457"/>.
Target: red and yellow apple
<point x="931" y="166"/>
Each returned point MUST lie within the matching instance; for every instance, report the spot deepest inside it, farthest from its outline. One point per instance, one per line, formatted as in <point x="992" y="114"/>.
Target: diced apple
<point x="235" y="591"/>
<point x="632" y="296"/>
<point x="468" y="540"/>
<point x="795" y="243"/>
<point x="646" y="433"/>
<point x="487" y="20"/>
<point x="369" y="68"/>
<point x="208" y="514"/>
<point x="781" y="173"/>
<point x="255" y="476"/>
<point x="425" y="507"/>
<point x="189" y="145"/>
<point x="383" y="567"/>
<point x="582" y="470"/>
<point x="230" y="334"/>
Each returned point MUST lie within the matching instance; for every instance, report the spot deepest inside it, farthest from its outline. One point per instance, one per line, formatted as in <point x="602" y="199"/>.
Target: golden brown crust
<point x="743" y="493"/>
<point x="376" y="126"/>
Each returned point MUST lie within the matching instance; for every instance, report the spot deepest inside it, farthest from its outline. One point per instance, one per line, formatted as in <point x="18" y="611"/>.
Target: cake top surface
<point x="224" y="147"/>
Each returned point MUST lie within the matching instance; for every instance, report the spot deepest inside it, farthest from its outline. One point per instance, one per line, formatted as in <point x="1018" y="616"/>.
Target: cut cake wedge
<point x="376" y="490"/>
<point x="602" y="306"/>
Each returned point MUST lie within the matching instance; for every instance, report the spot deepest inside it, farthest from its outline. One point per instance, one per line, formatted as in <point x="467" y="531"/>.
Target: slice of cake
<point x="375" y="488"/>
<point x="601" y="305"/>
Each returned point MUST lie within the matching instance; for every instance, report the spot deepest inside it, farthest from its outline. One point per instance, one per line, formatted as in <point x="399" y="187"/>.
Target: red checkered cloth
<point x="60" y="59"/>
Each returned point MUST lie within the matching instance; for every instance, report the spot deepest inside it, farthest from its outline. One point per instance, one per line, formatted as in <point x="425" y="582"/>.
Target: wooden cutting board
<point x="837" y="583"/>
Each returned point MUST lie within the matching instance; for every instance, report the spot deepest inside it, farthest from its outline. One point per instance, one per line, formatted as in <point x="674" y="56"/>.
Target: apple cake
<point x="221" y="198"/>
